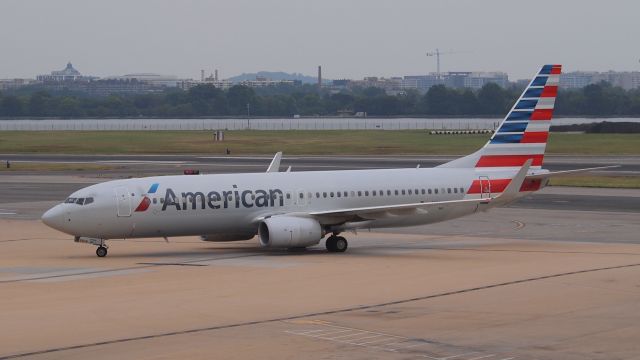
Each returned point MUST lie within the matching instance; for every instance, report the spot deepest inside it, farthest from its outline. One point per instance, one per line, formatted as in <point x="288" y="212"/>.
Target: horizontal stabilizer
<point x="549" y="174"/>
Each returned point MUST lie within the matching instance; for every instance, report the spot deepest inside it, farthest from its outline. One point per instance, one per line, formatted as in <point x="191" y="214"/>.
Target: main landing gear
<point x="336" y="243"/>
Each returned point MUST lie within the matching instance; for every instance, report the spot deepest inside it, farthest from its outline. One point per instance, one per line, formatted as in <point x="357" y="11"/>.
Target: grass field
<point x="629" y="182"/>
<point x="359" y="142"/>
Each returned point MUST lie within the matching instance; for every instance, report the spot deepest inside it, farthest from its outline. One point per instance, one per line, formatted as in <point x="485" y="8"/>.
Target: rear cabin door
<point x="485" y="187"/>
<point x="123" y="201"/>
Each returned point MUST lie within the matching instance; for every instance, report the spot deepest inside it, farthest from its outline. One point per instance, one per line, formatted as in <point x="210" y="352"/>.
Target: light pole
<point x="248" y="117"/>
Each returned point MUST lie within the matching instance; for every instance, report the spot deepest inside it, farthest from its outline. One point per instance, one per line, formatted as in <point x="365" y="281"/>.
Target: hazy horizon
<point x="349" y="39"/>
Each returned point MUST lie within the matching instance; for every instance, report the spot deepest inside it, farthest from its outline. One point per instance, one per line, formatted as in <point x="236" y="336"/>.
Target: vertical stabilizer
<point x="523" y="133"/>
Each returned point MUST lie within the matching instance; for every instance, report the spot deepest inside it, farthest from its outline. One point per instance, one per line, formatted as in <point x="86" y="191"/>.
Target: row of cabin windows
<point x="360" y="193"/>
<point x="454" y="190"/>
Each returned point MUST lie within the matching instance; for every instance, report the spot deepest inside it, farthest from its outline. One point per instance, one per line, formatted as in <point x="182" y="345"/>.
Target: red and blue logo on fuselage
<point x="146" y="201"/>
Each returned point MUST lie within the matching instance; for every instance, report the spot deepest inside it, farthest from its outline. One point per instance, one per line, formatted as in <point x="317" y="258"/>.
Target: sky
<point x="349" y="38"/>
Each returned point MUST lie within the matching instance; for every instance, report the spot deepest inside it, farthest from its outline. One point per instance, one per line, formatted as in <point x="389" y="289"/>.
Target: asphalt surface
<point x="628" y="165"/>
<point x="553" y="276"/>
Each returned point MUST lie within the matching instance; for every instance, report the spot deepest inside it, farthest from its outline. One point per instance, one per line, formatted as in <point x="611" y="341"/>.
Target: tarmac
<point x="555" y="276"/>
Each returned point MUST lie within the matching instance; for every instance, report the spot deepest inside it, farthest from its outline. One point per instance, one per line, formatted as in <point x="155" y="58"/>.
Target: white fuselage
<point x="234" y="204"/>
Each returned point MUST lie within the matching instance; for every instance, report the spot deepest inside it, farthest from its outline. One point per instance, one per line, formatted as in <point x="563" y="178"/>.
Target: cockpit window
<point x="79" y="201"/>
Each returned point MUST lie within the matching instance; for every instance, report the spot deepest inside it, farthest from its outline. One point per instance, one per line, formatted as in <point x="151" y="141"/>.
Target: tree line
<point x="491" y="100"/>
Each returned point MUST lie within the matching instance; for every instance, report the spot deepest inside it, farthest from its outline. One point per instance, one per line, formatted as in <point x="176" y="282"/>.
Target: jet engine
<point x="289" y="232"/>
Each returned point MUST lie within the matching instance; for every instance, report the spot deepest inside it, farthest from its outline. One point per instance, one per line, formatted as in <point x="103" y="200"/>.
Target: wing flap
<point x="387" y="211"/>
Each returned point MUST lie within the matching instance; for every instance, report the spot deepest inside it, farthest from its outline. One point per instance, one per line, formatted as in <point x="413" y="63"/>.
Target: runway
<point x="629" y="165"/>
<point x="554" y="276"/>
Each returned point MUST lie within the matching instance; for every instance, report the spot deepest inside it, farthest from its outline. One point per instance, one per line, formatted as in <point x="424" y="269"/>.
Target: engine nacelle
<point x="226" y="237"/>
<point x="289" y="232"/>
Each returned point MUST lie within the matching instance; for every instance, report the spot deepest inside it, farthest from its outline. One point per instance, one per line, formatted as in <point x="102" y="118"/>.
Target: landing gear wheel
<point x="101" y="251"/>
<point x="336" y="244"/>
<point x="331" y="243"/>
<point x="341" y="244"/>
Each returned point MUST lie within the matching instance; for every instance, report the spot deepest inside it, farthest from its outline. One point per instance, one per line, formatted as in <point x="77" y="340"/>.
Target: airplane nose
<point x="54" y="217"/>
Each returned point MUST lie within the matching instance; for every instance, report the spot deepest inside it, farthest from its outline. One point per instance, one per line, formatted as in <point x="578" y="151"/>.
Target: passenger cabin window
<point x="429" y="190"/>
<point x="366" y="193"/>
<point x="388" y="192"/>
<point x="403" y="192"/>
<point x="359" y="193"/>
<point x="396" y="192"/>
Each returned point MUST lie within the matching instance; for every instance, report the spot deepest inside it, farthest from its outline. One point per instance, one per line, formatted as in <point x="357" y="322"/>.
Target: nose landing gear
<point x="336" y="243"/>
<point x="101" y="251"/>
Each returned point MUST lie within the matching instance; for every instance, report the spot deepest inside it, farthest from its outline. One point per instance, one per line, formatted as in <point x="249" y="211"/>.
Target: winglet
<point x="275" y="163"/>
<point x="516" y="183"/>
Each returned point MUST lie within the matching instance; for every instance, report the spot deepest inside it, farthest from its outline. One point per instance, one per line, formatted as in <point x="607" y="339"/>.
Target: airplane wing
<point x="275" y="163"/>
<point x="549" y="174"/>
<point x="380" y="212"/>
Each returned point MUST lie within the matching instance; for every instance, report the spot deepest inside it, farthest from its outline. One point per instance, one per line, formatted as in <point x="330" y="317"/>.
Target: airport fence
<point x="270" y="124"/>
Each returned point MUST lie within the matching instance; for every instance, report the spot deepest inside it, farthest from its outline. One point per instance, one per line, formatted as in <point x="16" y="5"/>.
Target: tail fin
<point x="523" y="133"/>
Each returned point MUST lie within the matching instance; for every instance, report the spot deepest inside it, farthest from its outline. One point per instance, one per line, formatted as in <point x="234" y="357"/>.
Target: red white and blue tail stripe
<point x="523" y="133"/>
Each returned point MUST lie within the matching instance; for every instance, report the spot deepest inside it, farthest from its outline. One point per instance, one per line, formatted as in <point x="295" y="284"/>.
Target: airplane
<point x="298" y="209"/>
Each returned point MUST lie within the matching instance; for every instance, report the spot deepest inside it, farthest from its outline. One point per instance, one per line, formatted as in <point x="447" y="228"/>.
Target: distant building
<point x="455" y="79"/>
<point x="578" y="79"/>
<point x="261" y="81"/>
<point x="625" y="80"/>
<point x="10" y="84"/>
<point x="476" y="80"/>
<point x="391" y="86"/>
<point x="421" y="83"/>
<point x="156" y="80"/>
<point x="67" y="74"/>
<point x="220" y="84"/>
<point x="102" y="87"/>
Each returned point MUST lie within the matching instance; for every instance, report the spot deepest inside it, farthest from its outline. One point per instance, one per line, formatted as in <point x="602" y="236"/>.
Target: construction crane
<point x="437" y="54"/>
